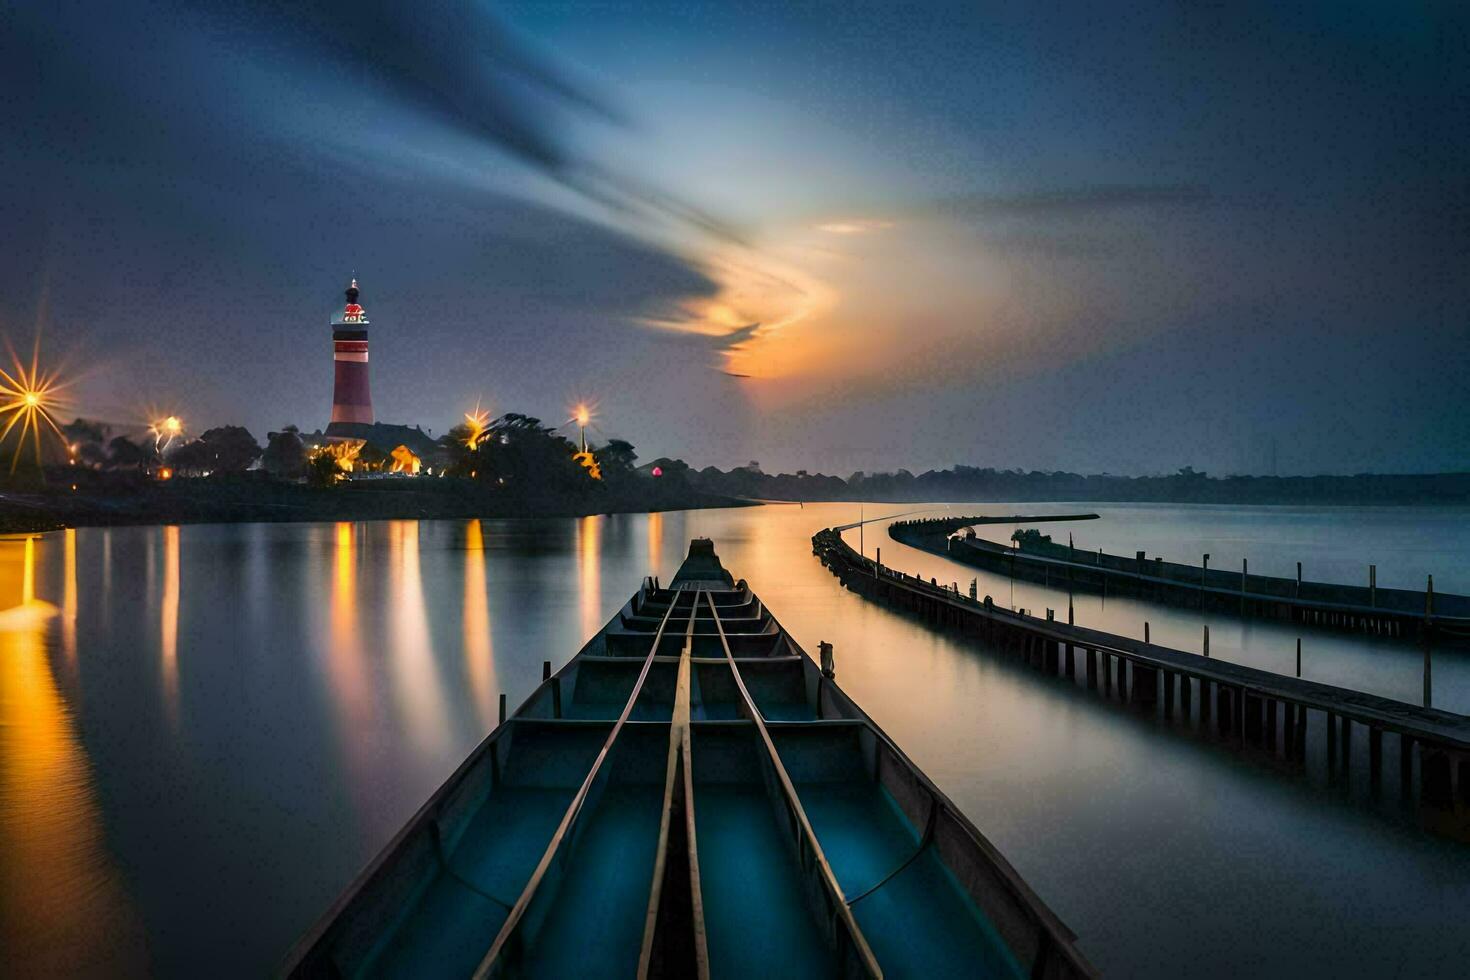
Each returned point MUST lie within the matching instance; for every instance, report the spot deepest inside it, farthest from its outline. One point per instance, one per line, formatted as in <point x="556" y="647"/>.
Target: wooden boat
<point x="690" y="796"/>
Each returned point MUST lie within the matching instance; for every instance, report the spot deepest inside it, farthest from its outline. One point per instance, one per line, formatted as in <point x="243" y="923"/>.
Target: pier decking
<point x="1403" y="613"/>
<point x="1230" y="701"/>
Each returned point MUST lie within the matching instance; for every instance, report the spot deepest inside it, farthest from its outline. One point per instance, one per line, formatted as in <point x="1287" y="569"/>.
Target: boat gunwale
<point x="490" y="963"/>
<point x="1053" y="940"/>
<point x="308" y="941"/>
<point x="1063" y="939"/>
<point x="841" y="910"/>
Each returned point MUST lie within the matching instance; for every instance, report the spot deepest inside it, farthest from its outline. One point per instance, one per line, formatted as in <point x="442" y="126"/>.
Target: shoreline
<point x="249" y="501"/>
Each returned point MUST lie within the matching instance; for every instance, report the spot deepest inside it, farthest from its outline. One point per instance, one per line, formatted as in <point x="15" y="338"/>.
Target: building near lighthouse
<point x="352" y="398"/>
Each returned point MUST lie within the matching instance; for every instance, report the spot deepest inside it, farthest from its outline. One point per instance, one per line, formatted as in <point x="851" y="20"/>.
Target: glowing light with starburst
<point x="29" y="400"/>
<point x="478" y="423"/>
<point x="583" y="415"/>
<point x="165" y="431"/>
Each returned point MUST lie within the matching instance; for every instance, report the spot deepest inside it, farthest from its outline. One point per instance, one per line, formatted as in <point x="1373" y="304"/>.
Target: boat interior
<point x="691" y="795"/>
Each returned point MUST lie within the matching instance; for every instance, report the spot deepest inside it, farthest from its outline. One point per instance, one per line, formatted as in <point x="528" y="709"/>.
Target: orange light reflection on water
<point x="416" y="671"/>
<point x="50" y="820"/>
<point x="69" y="595"/>
<point x="28" y="575"/>
<point x="589" y="574"/>
<point x="169" y="624"/>
<point x="349" y="679"/>
<point x="478" y="650"/>
<point x="655" y="541"/>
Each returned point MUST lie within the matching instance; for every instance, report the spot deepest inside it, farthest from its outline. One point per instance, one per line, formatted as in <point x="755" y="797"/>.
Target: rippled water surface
<point x="206" y="731"/>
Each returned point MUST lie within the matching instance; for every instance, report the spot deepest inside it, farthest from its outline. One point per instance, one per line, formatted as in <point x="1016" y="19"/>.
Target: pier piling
<point x="829" y="661"/>
<point x="1428" y="681"/>
<point x="1339" y="607"/>
<point x="1331" y="742"/>
<point x="1252" y="708"/>
<point x="1406" y="766"/>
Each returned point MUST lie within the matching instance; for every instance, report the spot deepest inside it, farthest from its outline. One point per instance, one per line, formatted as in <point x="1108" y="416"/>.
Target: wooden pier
<point x="1398" y="613"/>
<point x="1231" y="702"/>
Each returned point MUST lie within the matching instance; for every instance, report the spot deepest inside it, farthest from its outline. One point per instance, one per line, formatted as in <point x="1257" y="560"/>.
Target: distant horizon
<point x="645" y="457"/>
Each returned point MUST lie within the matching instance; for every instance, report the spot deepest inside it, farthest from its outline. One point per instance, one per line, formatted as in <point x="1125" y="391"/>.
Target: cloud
<point x="1076" y="201"/>
<point x="856" y="227"/>
<point x="457" y="62"/>
<point x="1085" y="223"/>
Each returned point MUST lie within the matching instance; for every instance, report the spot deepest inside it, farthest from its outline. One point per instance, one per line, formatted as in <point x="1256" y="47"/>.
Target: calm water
<point x="1333" y="545"/>
<point x="206" y="731"/>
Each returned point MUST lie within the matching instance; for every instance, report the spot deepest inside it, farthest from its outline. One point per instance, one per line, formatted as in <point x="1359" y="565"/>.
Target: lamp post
<point x="582" y="416"/>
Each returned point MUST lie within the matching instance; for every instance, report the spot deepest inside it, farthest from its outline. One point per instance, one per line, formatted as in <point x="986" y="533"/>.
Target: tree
<point x="231" y="447"/>
<point x="518" y="452"/>
<point x="670" y="471"/>
<point x="80" y="430"/>
<point x="285" y="454"/>
<point x="617" y="459"/>
<point x="458" y="449"/>
<point x="85" y="441"/>
<point x="322" y="470"/>
<point x="194" y="458"/>
<point x="124" y="454"/>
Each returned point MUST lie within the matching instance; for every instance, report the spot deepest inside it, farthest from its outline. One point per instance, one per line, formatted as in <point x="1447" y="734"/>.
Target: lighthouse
<point x="352" y="400"/>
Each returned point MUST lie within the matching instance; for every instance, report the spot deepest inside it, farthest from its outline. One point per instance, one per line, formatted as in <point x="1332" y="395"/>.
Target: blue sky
<point x="1117" y="238"/>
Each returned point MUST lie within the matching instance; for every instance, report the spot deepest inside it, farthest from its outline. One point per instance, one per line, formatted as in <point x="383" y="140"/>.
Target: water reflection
<point x="478" y="655"/>
<point x="655" y="539"/>
<point x="589" y="573"/>
<point x="347" y="674"/>
<point x="320" y="724"/>
<point x="169" y="624"/>
<point x="1379" y="665"/>
<point x="67" y="912"/>
<point x="69" y="596"/>
<point x="28" y="573"/>
<point x="416" y="678"/>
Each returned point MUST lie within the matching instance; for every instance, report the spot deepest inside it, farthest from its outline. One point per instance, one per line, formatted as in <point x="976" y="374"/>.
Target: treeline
<point x="970" y="483"/>
<point x="513" y="466"/>
<point x="518" y="456"/>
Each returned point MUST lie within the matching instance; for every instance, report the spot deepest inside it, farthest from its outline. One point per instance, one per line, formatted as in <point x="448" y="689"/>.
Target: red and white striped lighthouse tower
<point x="352" y="399"/>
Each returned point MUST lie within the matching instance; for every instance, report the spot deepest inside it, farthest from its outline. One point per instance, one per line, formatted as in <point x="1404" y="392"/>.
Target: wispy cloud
<point x="457" y="63"/>
<point x="861" y="226"/>
<point x="1070" y="201"/>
